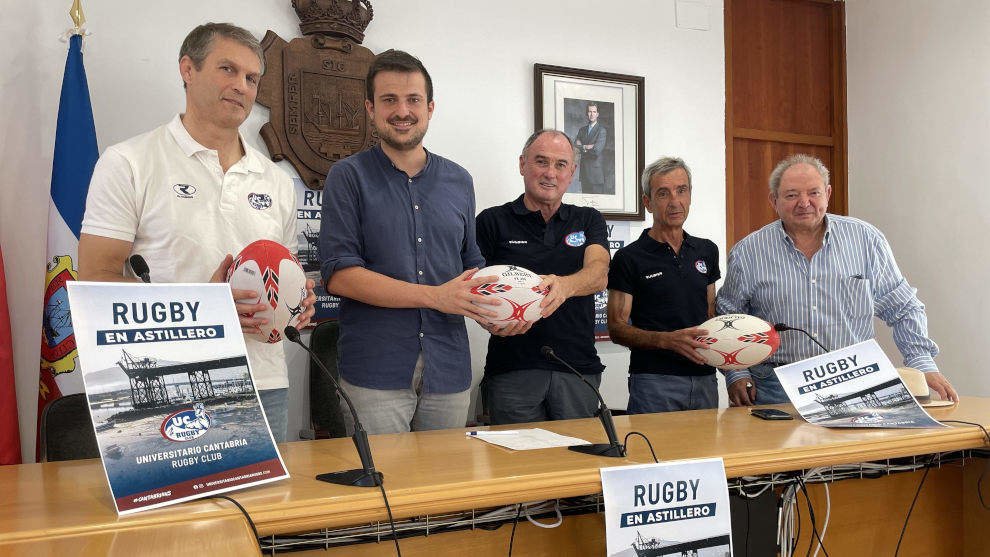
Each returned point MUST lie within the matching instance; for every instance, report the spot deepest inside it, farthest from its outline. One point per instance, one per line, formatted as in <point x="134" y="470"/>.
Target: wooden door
<point x="785" y="91"/>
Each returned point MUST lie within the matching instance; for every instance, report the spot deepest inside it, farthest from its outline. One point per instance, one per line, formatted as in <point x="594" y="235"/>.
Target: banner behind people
<point x="75" y="156"/>
<point x="618" y="237"/>
<point x="308" y="203"/>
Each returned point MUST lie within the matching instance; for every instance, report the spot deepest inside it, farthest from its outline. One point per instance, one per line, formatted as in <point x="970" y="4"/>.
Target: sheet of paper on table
<point x="526" y="439"/>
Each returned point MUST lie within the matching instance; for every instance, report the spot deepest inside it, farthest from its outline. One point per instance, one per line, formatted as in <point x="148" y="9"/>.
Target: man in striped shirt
<point x="826" y="274"/>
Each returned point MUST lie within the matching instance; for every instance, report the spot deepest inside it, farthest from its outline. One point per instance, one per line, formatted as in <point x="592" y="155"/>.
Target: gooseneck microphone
<point x="780" y="327"/>
<point x="366" y="476"/>
<point x="612" y="448"/>
<point x="140" y="268"/>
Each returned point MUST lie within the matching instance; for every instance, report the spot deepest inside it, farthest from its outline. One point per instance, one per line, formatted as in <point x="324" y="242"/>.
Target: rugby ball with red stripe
<point x="737" y="341"/>
<point x="517" y="288"/>
<point x="271" y="270"/>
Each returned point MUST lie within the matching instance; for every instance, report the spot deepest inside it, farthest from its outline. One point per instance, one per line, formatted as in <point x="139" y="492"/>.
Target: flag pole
<point x="76" y="13"/>
<point x="73" y="160"/>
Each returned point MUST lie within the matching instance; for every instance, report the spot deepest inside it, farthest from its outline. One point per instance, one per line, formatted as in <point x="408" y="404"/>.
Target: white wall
<point x="480" y="55"/>
<point x="919" y="126"/>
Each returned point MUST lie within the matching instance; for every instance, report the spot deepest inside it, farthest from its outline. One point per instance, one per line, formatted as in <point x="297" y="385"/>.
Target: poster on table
<point x="170" y="392"/>
<point x="618" y="237"/>
<point x="856" y="386"/>
<point x="670" y="508"/>
<point x="307" y="249"/>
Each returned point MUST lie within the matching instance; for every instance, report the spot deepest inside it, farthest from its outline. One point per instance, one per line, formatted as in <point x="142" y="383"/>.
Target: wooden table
<point x="443" y="471"/>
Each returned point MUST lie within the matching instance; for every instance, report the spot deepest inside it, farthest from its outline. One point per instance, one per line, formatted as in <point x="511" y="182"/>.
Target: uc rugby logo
<point x="188" y="424"/>
<point x="701" y="266"/>
<point x="575" y="239"/>
<point x="260" y="201"/>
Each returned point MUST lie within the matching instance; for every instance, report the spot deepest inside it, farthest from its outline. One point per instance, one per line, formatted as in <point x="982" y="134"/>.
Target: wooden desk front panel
<point x="212" y="536"/>
<point x="443" y="471"/>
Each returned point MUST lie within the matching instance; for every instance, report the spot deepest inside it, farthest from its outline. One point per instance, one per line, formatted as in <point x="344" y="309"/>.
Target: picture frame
<point x="602" y="113"/>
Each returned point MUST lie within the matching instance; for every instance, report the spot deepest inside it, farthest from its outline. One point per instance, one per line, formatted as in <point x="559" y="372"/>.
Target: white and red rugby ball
<point x="518" y="290"/>
<point x="271" y="270"/>
<point x="737" y="341"/>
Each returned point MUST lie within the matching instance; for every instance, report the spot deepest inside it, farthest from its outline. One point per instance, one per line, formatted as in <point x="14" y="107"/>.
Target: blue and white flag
<point x="75" y="156"/>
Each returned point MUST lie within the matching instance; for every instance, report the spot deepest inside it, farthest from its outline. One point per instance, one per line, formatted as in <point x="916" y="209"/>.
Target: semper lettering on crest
<point x="292" y="103"/>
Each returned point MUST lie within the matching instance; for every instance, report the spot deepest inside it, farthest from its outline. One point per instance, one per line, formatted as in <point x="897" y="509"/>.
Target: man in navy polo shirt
<point x="661" y="287"/>
<point x="568" y="246"/>
<point x="397" y="243"/>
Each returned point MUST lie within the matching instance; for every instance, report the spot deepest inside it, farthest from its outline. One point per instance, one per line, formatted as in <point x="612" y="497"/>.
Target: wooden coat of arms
<point x="315" y="88"/>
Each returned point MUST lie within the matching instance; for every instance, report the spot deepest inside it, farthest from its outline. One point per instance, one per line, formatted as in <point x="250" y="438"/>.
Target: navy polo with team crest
<point x="511" y="234"/>
<point x="669" y="292"/>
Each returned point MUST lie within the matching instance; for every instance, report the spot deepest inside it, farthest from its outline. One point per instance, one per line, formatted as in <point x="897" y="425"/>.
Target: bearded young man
<point x="397" y="242"/>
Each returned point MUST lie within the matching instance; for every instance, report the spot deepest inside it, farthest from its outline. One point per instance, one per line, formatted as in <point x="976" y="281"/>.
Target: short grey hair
<point x="790" y="161"/>
<point x="662" y="166"/>
<point x="536" y="135"/>
<point x="199" y="42"/>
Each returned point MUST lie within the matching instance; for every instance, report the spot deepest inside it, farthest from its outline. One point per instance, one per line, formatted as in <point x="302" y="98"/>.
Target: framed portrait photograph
<point x="602" y="113"/>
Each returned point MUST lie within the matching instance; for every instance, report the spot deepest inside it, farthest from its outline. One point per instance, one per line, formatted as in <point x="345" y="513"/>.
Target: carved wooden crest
<point x="315" y="88"/>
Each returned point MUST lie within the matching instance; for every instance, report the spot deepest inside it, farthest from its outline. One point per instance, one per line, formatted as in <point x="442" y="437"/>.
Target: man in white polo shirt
<point x="190" y="193"/>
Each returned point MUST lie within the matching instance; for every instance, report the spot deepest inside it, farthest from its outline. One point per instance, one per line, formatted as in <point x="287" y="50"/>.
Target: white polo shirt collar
<point x="190" y="147"/>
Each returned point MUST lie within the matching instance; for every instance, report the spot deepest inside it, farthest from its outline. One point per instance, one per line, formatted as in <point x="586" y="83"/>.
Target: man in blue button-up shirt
<point x="397" y="243"/>
<point x="826" y="274"/>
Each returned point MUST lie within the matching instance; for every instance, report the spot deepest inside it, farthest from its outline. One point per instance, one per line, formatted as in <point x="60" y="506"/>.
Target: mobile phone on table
<point x="770" y="414"/>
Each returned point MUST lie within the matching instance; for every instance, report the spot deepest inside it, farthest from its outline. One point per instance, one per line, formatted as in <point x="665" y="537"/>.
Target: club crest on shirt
<point x="701" y="266"/>
<point x="260" y="201"/>
<point x="184" y="191"/>
<point x="575" y="239"/>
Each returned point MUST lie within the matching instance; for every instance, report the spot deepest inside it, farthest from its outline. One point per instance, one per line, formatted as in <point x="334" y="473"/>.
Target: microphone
<point x="366" y="476"/>
<point x="612" y="448"/>
<point x="783" y="327"/>
<point x="140" y="268"/>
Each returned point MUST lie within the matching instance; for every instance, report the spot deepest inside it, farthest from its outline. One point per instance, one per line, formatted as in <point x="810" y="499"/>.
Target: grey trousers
<point x="654" y="392"/>
<point x="539" y="395"/>
<point x="402" y="410"/>
<point x="276" y="405"/>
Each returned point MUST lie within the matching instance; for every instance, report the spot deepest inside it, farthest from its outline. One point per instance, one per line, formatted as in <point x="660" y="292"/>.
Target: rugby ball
<point x="737" y="341"/>
<point x="518" y="290"/>
<point x="271" y="270"/>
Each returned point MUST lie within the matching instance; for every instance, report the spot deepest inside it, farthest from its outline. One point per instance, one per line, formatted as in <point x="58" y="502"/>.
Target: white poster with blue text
<point x="856" y="386"/>
<point x="618" y="238"/>
<point x="170" y="392"/>
<point x="670" y="508"/>
<point x="309" y="204"/>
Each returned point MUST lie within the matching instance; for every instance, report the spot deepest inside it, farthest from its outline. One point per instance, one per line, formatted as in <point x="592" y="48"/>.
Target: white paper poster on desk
<point x="170" y="392"/>
<point x="856" y="386"/>
<point x="671" y="508"/>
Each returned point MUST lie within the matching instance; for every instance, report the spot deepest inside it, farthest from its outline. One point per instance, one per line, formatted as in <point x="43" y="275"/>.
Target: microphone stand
<point x="612" y="448"/>
<point x="366" y="476"/>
